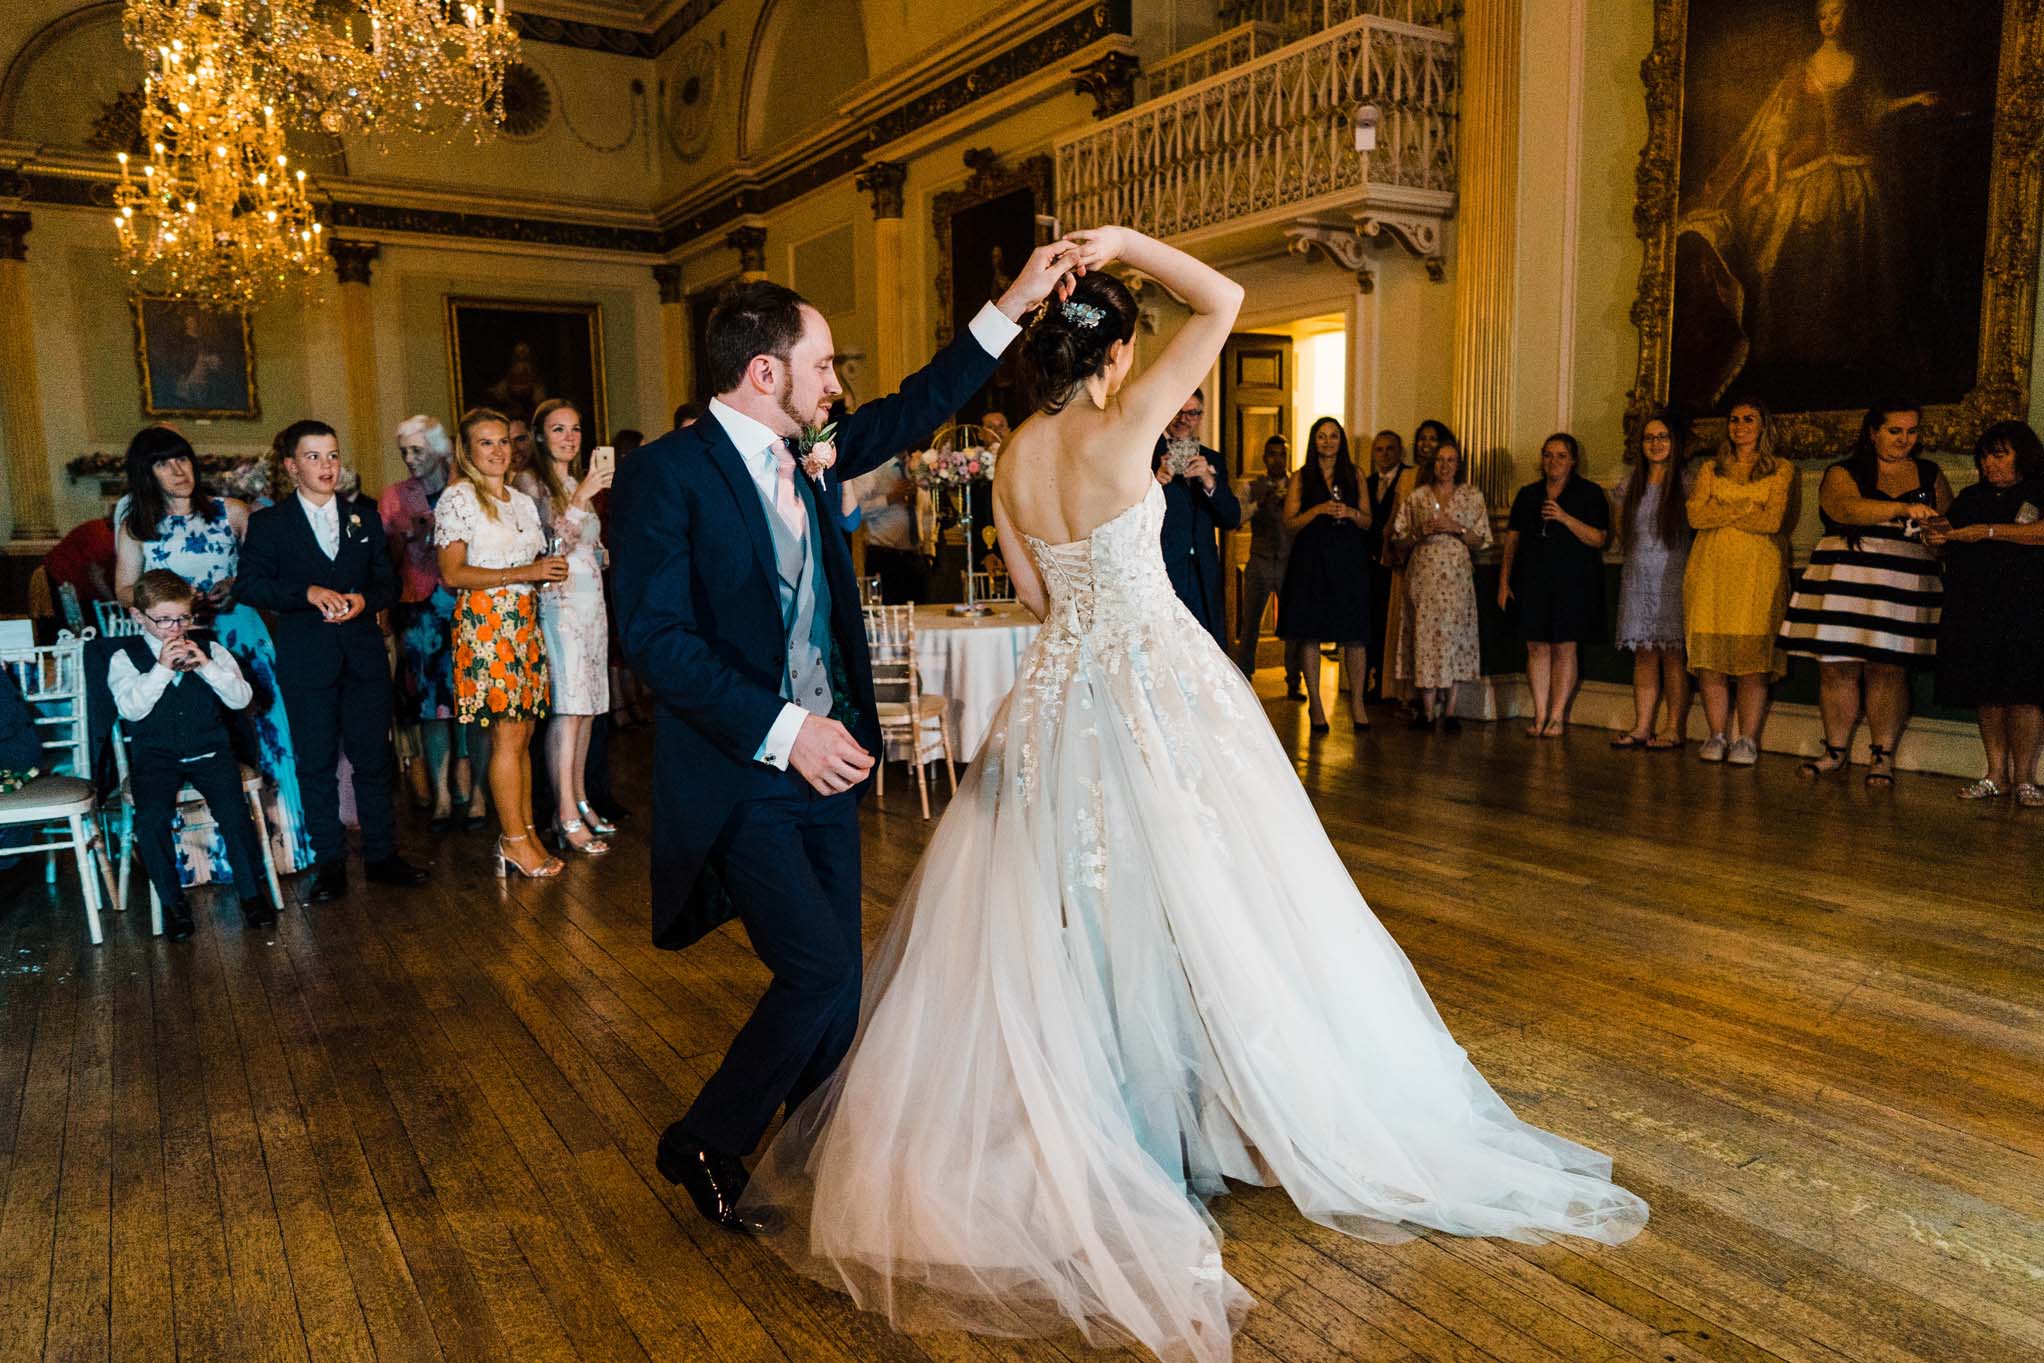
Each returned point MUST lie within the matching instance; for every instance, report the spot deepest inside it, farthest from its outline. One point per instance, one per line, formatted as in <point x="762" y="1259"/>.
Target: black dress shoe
<point x="394" y="870"/>
<point x="1450" y="725"/>
<point x="177" y="921"/>
<point x="442" y="823"/>
<point x="257" y="912"/>
<point x="1418" y="723"/>
<point x="328" y="884"/>
<point x="714" y="1181"/>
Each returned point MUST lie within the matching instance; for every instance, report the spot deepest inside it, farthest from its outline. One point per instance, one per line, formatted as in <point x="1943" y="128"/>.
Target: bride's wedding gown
<point x="1129" y="966"/>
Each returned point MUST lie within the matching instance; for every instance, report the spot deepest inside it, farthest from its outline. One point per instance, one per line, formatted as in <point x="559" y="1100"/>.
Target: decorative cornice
<point x="622" y="42"/>
<point x="433" y="222"/>
<point x="883" y="180"/>
<point x="684" y="19"/>
<point x="14" y="229"/>
<point x="352" y="259"/>
<point x="668" y="277"/>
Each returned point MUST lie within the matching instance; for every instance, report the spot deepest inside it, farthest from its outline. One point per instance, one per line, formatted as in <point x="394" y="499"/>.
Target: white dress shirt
<point x="757" y="445"/>
<point x="136" y="693"/>
<point x="326" y="523"/>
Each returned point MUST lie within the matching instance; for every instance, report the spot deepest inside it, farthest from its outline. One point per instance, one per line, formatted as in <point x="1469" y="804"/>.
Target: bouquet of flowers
<point x="932" y="470"/>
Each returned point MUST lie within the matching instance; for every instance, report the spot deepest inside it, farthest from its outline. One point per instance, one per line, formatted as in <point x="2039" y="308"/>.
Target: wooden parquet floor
<point x="1807" y="1022"/>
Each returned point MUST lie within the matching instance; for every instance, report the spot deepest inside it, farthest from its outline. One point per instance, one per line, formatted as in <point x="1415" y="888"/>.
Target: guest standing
<point x="1390" y="482"/>
<point x="316" y="562"/>
<point x="1735" y="586"/>
<point x="1198" y="506"/>
<point x="1554" y="567"/>
<point x="1867" y="606"/>
<point x="887" y="502"/>
<point x="1326" y="592"/>
<point x="1270" y="547"/>
<point x="168" y="520"/>
<point x="173" y="694"/>
<point x="1427" y="437"/>
<point x="492" y="545"/>
<point x="1991" y="632"/>
<point x="424" y="615"/>
<point x="571" y="618"/>
<point x="1440" y="527"/>
<point x="1653" y="528"/>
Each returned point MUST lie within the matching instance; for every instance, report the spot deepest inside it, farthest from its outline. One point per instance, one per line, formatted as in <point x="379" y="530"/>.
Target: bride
<point x="1130" y="965"/>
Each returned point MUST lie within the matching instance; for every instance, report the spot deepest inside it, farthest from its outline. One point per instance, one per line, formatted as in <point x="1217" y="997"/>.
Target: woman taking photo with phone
<point x="492" y="545"/>
<point x="571" y="616"/>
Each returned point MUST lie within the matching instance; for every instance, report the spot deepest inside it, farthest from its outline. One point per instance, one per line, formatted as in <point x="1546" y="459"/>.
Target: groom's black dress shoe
<point x="329" y="882"/>
<point x="395" y="870"/>
<point x="714" y="1182"/>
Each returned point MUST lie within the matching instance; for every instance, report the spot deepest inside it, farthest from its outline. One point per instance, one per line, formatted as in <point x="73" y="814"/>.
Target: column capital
<point x="883" y="180"/>
<point x="14" y="228"/>
<point x="352" y="259"/>
<point x="1111" y="79"/>
<point x="668" y="277"/>
<point x="750" y="243"/>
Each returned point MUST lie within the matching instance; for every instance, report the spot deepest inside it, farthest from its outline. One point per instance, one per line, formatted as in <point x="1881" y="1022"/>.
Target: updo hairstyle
<point x="1069" y="340"/>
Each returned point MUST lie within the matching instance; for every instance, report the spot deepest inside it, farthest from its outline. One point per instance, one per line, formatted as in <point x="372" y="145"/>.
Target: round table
<point x="971" y="661"/>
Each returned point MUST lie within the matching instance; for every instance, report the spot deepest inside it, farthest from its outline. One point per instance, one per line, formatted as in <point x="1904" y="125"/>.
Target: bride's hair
<point x="1069" y="340"/>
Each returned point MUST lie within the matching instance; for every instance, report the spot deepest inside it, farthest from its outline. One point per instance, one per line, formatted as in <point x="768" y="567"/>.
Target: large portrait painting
<point x="513" y="354"/>
<point x="985" y="233"/>
<point x="1839" y="200"/>
<point x="194" y="361"/>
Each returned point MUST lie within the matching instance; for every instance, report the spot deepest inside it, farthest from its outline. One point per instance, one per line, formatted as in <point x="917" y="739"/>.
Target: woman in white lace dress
<point x="1130" y="965"/>
<point x="572" y="618"/>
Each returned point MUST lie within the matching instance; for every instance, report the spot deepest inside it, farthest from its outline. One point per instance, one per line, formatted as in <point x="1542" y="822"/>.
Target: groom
<point x="737" y="605"/>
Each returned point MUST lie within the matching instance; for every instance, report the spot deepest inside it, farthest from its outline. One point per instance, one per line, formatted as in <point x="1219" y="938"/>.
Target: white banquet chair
<point x="60" y="802"/>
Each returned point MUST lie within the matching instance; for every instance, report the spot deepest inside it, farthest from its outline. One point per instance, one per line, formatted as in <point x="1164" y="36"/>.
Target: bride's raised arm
<point x="1149" y="401"/>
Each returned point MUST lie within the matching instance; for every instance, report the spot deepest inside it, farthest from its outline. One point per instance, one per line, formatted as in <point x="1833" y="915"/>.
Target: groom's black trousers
<point x="791" y="865"/>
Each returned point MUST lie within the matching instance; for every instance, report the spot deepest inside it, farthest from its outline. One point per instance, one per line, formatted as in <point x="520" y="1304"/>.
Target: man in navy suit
<point x="1198" y="505"/>
<point x="317" y="566"/>
<point x="737" y="605"/>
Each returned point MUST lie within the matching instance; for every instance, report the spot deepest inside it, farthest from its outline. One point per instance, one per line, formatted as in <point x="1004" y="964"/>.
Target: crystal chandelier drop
<point x="359" y="66"/>
<point x="218" y="213"/>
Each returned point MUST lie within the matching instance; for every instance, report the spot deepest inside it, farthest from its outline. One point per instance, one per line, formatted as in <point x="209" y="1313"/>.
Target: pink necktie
<point x="785" y="500"/>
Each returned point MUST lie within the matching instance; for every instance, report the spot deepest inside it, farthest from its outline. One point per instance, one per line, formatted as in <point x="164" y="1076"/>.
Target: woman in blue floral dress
<point x="167" y="520"/>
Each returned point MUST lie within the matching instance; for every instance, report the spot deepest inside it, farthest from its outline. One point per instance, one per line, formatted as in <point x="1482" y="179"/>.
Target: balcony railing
<point x="1298" y="18"/>
<point x="1238" y="45"/>
<point x="1275" y="135"/>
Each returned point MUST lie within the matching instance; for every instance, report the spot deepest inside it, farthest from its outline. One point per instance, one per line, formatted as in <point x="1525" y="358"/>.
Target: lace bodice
<point x="1111" y="582"/>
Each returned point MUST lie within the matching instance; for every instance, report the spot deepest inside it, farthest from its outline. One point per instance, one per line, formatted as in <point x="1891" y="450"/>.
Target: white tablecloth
<point x="971" y="662"/>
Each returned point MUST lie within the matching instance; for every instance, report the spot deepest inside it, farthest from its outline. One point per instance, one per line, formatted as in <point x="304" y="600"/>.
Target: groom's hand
<point x="827" y="756"/>
<point x="1048" y="268"/>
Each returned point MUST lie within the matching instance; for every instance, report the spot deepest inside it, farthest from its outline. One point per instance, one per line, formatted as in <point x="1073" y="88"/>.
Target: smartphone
<point x="603" y="459"/>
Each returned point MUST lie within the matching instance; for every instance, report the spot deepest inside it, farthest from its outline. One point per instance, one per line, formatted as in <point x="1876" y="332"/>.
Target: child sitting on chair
<point x="173" y="696"/>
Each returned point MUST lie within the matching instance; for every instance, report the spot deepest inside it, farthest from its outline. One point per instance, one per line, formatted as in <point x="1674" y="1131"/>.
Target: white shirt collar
<point x="753" y="438"/>
<point x="331" y="511"/>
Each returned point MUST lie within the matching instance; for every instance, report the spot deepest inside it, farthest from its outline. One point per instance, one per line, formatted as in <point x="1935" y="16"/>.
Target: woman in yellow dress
<point x="1735" y="589"/>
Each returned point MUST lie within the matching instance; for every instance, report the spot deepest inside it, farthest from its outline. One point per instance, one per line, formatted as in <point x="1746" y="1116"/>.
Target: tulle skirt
<point x="1129" y="967"/>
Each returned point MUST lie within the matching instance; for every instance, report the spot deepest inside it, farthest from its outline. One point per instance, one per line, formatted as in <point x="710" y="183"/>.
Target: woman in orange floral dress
<point x="493" y="549"/>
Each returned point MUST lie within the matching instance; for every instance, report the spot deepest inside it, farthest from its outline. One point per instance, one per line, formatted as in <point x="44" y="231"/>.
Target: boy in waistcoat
<point x="173" y="695"/>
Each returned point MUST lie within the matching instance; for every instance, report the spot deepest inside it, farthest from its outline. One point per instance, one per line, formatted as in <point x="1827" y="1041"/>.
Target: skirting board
<point x="1938" y="746"/>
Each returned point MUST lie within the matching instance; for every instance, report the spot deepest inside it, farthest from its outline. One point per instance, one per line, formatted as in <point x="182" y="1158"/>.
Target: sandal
<point x="1834" y="759"/>
<point x="1630" y="740"/>
<point x="2030" y="796"/>
<point x="1667" y="743"/>
<point x="1986" y="788"/>
<point x="1883" y="773"/>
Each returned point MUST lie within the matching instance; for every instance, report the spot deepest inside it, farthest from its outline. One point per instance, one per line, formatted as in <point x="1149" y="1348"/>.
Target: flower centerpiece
<point x="957" y="459"/>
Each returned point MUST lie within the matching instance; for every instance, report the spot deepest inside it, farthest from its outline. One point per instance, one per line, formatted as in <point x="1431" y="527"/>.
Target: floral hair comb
<point x="1082" y="314"/>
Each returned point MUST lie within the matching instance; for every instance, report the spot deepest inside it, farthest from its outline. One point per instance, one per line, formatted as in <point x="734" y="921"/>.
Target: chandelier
<point x="358" y="66"/>
<point x="217" y="213"/>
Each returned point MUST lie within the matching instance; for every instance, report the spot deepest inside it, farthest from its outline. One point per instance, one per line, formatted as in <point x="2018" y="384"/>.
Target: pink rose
<point x="819" y="457"/>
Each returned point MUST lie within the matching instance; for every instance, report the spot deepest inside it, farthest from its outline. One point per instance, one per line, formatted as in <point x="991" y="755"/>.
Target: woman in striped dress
<point x="1867" y="607"/>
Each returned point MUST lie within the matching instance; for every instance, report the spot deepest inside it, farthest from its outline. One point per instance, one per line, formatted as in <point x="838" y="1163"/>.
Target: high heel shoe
<point x="506" y="863"/>
<point x="598" y="825"/>
<point x="564" y="838"/>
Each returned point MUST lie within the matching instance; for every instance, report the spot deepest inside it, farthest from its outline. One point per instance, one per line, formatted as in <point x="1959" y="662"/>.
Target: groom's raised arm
<point x="650" y="572"/>
<point x="884" y="427"/>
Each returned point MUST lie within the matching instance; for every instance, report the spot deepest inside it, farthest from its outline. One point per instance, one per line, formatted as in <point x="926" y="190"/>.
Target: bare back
<point x="1062" y="476"/>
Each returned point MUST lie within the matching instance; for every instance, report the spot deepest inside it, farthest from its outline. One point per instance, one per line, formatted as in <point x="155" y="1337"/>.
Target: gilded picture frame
<point x="985" y="232"/>
<point x="194" y="361"/>
<point x="2000" y="387"/>
<point x="515" y="353"/>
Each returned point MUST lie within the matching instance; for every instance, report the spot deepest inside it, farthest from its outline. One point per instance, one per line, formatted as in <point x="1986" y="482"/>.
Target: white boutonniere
<point x="354" y="525"/>
<point x="818" y="451"/>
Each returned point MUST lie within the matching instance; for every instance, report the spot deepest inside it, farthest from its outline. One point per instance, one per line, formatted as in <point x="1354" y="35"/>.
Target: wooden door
<point x="1256" y="404"/>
